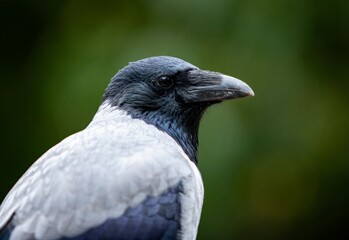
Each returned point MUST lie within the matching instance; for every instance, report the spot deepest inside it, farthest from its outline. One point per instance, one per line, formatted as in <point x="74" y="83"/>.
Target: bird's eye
<point x="165" y="82"/>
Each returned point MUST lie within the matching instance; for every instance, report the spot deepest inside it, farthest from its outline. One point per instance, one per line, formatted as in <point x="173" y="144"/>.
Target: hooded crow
<point x="132" y="172"/>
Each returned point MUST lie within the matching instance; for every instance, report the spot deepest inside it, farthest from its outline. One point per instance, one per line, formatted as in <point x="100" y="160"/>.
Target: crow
<point x="132" y="173"/>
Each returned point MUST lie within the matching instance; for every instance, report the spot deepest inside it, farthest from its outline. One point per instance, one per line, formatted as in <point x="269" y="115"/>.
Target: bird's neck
<point x="183" y="132"/>
<point x="183" y="128"/>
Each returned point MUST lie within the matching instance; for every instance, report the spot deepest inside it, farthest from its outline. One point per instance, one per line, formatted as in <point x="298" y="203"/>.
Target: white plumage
<point x="98" y="163"/>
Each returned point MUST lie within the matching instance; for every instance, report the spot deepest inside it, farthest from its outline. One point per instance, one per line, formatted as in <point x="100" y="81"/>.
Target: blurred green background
<point x="275" y="166"/>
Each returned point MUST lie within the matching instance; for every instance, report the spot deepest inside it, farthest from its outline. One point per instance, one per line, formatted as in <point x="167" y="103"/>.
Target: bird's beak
<point x="207" y="86"/>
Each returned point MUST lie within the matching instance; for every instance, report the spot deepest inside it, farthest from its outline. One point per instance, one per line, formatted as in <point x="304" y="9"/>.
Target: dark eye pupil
<point x="165" y="82"/>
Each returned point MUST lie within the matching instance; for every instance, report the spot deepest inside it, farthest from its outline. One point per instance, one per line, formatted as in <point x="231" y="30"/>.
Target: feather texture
<point x="108" y="175"/>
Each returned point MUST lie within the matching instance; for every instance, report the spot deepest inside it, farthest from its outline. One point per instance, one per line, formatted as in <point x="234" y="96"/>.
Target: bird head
<point x="172" y="95"/>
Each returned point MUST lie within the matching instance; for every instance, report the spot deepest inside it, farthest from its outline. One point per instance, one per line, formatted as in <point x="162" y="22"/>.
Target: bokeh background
<point x="275" y="166"/>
